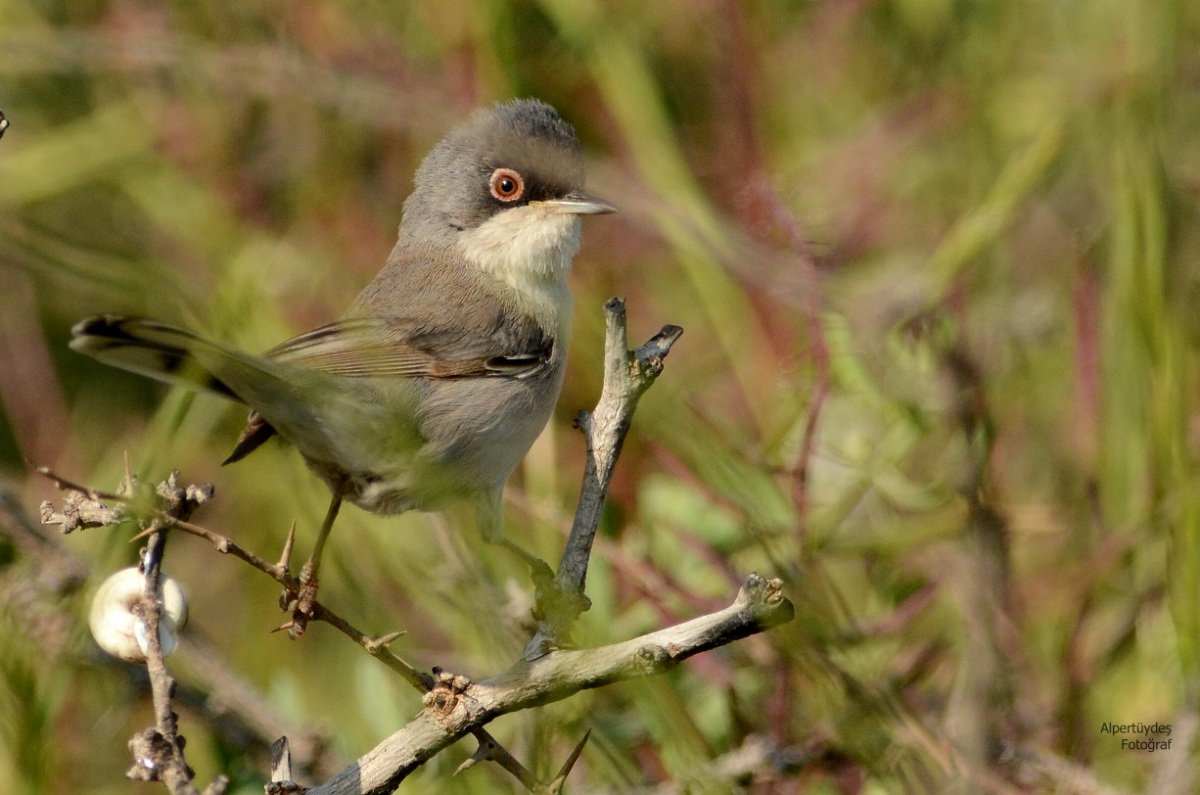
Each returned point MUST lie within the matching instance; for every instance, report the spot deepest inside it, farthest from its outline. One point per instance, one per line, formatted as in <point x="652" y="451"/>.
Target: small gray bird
<point x="442" y="374"/>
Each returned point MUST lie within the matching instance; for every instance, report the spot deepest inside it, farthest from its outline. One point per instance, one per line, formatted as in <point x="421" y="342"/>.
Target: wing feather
<point x="400" y="347"/>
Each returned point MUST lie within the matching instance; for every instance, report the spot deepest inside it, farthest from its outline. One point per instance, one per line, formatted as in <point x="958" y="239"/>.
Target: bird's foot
<point x="539" y="570"/>
<point x="301" y="602"/>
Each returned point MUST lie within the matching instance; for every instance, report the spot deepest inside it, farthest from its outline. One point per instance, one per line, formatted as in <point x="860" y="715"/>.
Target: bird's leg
<point x="304" y="600"/>
<point x="552" y="602"/>
<point x="489" y="515"/>
<point x="539" y="569"/>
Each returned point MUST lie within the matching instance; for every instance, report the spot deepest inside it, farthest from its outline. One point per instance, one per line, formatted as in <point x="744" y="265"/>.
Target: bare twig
<point x="158" y="751"/>
<point x="627" y="375"/>
<point x="70" y="486"/>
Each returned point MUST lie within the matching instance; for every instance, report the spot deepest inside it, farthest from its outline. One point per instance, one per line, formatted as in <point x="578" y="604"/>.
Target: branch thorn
<point x="285" y="625"/>
<point x="561" y="779"/>
<point x="374" y="645"/>
<point x="285" y="558"/>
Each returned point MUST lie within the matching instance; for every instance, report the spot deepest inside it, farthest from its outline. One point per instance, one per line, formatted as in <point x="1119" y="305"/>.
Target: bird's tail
<point x="163" y="352"/>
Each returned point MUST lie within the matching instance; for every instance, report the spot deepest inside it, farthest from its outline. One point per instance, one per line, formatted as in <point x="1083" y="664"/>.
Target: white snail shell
<point x="122" y="634"/>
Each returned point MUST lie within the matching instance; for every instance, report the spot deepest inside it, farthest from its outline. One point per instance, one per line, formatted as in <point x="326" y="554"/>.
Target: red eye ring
<point x="507" y="185"/>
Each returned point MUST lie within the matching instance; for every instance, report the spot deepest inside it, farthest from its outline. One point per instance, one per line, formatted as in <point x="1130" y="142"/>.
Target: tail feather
<point x="291" y="399"/>
<point x="147" y="347"/>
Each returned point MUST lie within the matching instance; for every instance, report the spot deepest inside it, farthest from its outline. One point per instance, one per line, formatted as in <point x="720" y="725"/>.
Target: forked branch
<point x="627" y="375"/>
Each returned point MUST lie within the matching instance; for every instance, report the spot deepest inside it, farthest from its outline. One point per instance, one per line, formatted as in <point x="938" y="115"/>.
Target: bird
<point x="434" y="384"/>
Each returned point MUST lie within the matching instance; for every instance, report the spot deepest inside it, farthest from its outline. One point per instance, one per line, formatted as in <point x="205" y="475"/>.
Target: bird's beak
<point x="576" y="204"/>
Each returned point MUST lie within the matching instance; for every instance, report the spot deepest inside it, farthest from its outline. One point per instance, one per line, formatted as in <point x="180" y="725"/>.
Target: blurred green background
<point x="937" y="264"/>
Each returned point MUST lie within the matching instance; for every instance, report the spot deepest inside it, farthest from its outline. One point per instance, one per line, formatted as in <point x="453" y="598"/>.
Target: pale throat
<point x="530" y="249"/>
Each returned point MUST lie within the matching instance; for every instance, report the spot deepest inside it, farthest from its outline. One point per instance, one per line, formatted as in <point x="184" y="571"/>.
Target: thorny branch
<point x="40" y="591"/>
<point x="454" y="705"/>
<point x="82" y="509"/>
<point x="457" y="704"/>
<point x="158" y="750"/>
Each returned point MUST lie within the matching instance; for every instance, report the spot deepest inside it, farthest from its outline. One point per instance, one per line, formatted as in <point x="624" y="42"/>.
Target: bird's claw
<point x="301" y="602"/>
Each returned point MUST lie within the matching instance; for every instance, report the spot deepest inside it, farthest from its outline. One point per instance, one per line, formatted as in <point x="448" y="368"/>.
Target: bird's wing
<point x="399" y="347"/>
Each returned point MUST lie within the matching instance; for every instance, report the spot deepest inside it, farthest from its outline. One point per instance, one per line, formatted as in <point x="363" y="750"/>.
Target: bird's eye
<point x="507" y="185"/>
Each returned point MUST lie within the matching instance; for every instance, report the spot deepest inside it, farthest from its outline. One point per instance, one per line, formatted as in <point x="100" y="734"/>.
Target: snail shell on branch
<point x="121" y="633"/>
